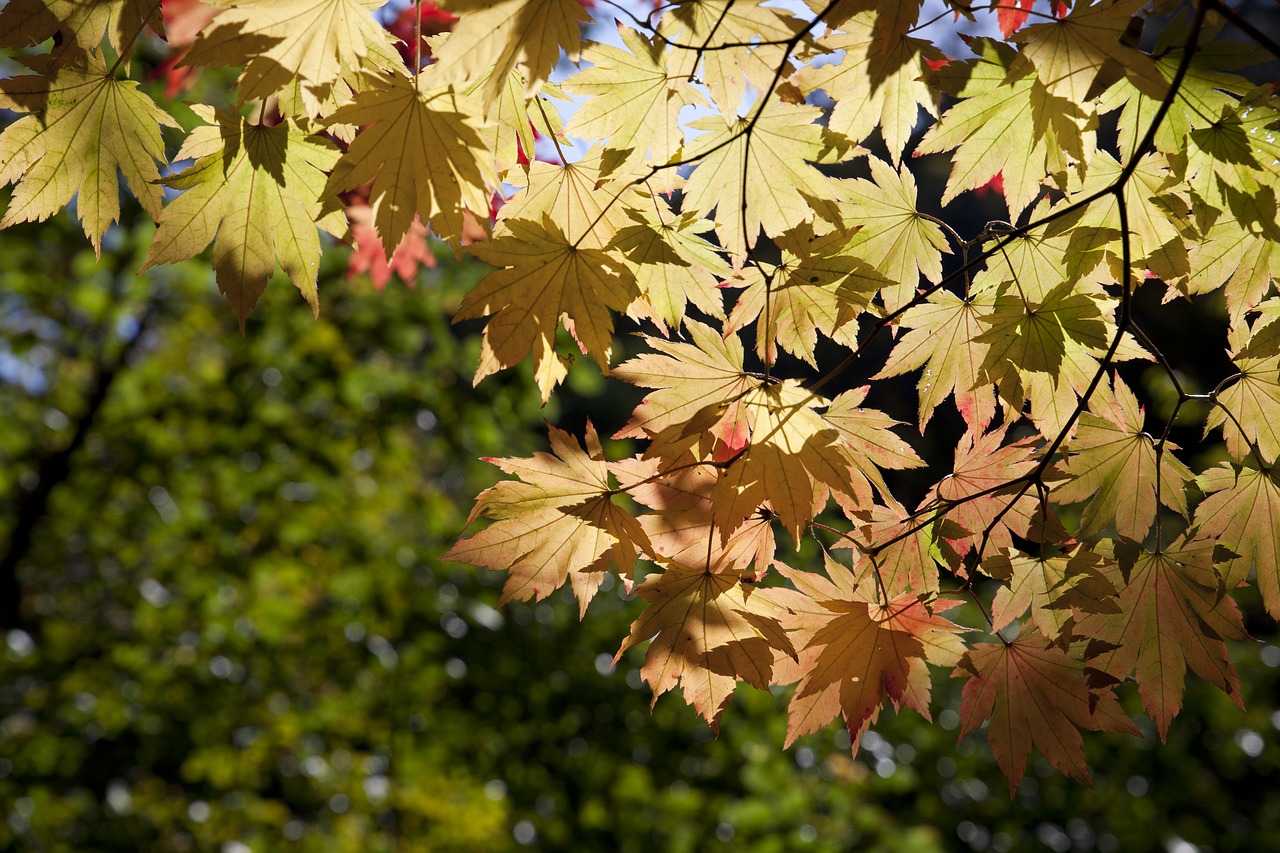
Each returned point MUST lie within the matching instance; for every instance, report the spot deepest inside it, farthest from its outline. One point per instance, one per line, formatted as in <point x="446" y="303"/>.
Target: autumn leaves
<point x="703" y="204"/>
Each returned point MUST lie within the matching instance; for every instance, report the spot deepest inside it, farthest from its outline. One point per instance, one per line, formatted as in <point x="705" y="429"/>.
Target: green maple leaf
<point x="818" y="287"/>
<point x="88" y="128"/>
<point x="732" y="43"/>
<point x="673" y="266"/>
<point x="1053" y="587"/>
<point x="1007" y="123"/>
<point x="493" y="39"/>
<point x="945" y="340"/>
<point x="1232" y="257"/>
<point x="1252" y="400"/>
<point x="874" y="88"/>
<point x="576" y="196"/>
<point x="1080" y="55"/>
<point x="892" y="235"/>
<point x="632" y="101"/>
<point x="421" y="150"/>
<point x="256" y="193"/>
<point x="1159" y="218"/>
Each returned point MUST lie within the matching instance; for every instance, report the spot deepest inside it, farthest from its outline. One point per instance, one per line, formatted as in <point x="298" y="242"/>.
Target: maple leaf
<point x="1006" y="124"/>
<point x="945" y="339"/>
<point x="265" y="37"/>
<point x="673" y="266"/>
<point x="1081" y="54"/>
<point x="87" y="127"/>
<point x="1230" y="256"/>
<point x="246" y="174"/>
<point x="1249" y="409"/>
<point x="892" y="235"/>
<point x="895" y="547"/>
<point x="542" y="277"/>
<point x="986" y="476"/>
<point x="732" y="42"/>
<point x="874" y="87"/>
<point x="515" y="122"/>
<point x="1053" y="587"/>
<point x="1047" y="349"/>
<point x="1242" y="513"/>
<point x="29" y="22"/>
<point x="496" y="38"/>
<point x="557" y="522"/>
<point x="574" y="195"/>
<point x="632" y="101"/>
<point x="1173" y="614"/>
<point x="709" y="632"/>
<point x="1158" y="217"/>
<point x="422" y="152"/>
<point x="1011" y="18"/>
<point x="868" y="437"/>
<point x="1113" y="464"/>
<point x="681" y="529"/>
<point x="693" y="380"/>
<point x="863" y="654"/>
<point x="792" y="457"/>
<point x="755" y="175"/>
<point x="1034" y="696"/>
<point x="816" y="287"/>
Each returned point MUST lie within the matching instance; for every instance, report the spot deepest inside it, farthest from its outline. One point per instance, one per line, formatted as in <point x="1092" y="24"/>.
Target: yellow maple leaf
<point x="732" y="42"/>
<point x="320" y="41"/>
<point x="700" y="388"/>
<point x="860" y="653"/>
<point x="673" y="266"/>
<point x="556" y="523"/>
<point x="246" y="176"/>
<point x="543" y="277"/>
<point x="755" y="175"/>
<point x="818" y="287"/>
<point x="891" y="233"/>
<point x="793" y="457"/>
<point x="29" y="22"/>
<point x="495" y="38"/>
<point x="709" y="632"/>
<point x="421" y="150"/>
<point x="632" y="101"/>
<point x="1113" y="463"/>
<point x="575" y="196"/>
<point x="88" y="127"/>
<point x="873" y="88"/>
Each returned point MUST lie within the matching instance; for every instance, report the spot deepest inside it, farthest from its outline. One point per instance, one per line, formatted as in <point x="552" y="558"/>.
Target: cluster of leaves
<point x="1121" y="167"/>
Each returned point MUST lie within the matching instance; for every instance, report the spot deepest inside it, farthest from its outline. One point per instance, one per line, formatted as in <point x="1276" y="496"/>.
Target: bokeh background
<point x="225" y="626"/>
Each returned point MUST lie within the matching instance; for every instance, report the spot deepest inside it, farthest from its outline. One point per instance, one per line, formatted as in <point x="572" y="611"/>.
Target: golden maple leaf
<point x="423" y="153"/>
<point x="87" y="126"/>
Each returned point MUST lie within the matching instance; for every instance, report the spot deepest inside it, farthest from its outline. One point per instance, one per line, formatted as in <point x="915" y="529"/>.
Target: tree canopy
<point x="746" y="195"/>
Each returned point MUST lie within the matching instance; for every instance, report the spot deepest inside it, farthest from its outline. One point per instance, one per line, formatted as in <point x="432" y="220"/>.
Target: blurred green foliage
<point x="235" y="632"/>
